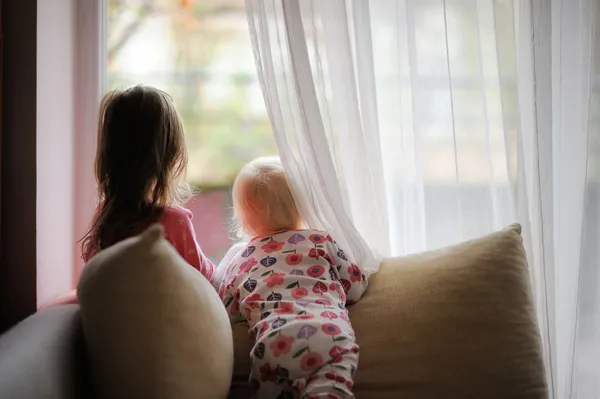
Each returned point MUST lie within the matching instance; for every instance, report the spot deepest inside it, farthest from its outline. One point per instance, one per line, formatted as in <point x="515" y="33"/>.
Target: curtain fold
<point x="409" y="125"/>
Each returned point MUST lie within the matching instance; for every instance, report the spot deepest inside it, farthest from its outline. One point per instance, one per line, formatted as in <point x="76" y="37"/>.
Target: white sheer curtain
<point x="407" y="125"/>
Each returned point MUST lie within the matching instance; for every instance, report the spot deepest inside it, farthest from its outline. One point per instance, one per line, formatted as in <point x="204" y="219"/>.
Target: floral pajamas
<point x="292" y="289"/>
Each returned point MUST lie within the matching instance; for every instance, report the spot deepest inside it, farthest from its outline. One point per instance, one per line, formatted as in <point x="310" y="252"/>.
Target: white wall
<point x="56" y="85"/>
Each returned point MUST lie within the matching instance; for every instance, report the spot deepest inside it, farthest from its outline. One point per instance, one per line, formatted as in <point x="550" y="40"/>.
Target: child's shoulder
<point x="313" y="235"/>
<point x="176" y="212"/>
<point x="175" y="219"/>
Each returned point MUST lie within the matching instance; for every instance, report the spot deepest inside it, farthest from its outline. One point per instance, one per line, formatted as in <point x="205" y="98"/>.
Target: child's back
<point x="141" y="162"/>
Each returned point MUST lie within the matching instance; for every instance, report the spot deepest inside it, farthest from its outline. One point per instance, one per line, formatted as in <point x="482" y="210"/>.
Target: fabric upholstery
<point x="154" y="326"/>
<point x="44" y="357"/>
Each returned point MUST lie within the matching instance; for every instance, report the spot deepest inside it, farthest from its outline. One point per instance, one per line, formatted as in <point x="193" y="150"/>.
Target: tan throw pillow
<point x="454" y="323"/>
<point x="155" y="328"/>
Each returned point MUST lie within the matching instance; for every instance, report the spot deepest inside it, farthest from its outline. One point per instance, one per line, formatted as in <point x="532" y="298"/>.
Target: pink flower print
<point x="305" y="316"/>
<point x="311" y="361"/>
<point x="253" y="301"/>
<point x="329" y="315"/>
<point x="231" y="282"/>
<point x="316" y="238"/>
<point x="341" y="292"/>
<point x="354" y="349"/>
<point x="315" y="271"/>
<point x="346" y="285"/>
<point x="336" y="354"/>
<point x="349" y="384"/>
<point x="355" y="273"/>
<point x="328" y="258"/>
<point x="333" y="376"/>
<point x="274" y="279"/>
<point x="248" y="265"/>
<point x="293" y="259"/>
<point x="338" y="288"/>
<point x="285" y="308"/>
<point x="299" y="292"/>
<point x="328" y="238"/>
<point x="319" y="288"/>
<point x="315" y="253"/>
<point x="248" y="312"/>
<point x="272" y="246"/>
<point x="281" y="345"/>
<point x="330" y="329"/>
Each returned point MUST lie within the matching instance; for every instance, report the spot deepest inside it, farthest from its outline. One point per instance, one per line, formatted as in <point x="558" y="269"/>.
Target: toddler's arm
<point x="225" y="284"/>
<point x="224" y="264"/>
<point x="351" y="276"/>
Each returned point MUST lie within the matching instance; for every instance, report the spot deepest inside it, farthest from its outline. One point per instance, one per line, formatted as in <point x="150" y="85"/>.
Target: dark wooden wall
<point x="18" y="162"/>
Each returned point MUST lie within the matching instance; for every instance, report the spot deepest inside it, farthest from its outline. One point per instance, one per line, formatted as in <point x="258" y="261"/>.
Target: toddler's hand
<point x="224" y="264"/>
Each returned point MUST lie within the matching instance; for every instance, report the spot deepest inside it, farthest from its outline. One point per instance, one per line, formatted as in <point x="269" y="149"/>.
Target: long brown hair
<point x="141" y="162"/>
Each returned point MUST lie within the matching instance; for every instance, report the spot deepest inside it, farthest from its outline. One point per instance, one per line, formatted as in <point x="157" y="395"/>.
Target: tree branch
<point x="146" y="9"/>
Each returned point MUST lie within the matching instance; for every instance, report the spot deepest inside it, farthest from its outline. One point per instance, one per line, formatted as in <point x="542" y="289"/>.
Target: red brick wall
<point x="212" y="220"/>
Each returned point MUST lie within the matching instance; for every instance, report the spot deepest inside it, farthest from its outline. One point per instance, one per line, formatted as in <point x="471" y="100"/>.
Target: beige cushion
<point x="454" y="323"/>
<point x="155" y="328"/>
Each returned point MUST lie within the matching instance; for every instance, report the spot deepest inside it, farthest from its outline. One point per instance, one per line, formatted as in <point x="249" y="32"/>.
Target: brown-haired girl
<point x="141" y="162"/>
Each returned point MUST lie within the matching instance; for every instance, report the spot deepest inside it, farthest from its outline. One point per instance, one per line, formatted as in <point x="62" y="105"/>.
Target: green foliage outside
<point x="221" y="135"/>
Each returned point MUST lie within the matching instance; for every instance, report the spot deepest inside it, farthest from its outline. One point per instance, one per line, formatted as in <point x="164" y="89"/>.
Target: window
<point x="200" y="53"/>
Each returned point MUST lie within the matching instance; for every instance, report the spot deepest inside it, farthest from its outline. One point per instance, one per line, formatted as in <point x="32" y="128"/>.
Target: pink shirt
<point x="179" y="231"/>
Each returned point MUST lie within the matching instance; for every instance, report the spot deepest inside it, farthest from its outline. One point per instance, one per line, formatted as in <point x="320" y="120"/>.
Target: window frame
<point x="91" y="84"/>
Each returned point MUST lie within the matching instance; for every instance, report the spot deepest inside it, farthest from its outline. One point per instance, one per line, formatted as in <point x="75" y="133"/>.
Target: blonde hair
<point x="262" y="201"/>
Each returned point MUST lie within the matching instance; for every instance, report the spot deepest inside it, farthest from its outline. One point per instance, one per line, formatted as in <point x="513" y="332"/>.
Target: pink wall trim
<point x="55" y="146"/>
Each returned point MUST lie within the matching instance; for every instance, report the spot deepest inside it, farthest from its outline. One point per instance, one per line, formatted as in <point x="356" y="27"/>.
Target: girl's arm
<point x="69" y="298"/>
<point x="179" y="231"/>
<point x="352" y="279"/>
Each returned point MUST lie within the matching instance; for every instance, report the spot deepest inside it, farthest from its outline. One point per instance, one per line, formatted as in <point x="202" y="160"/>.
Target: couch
<point x="453" y="323"/>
